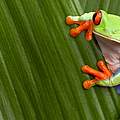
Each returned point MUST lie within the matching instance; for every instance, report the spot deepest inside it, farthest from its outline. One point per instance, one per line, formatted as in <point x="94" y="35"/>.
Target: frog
<point x="106" y="29"/>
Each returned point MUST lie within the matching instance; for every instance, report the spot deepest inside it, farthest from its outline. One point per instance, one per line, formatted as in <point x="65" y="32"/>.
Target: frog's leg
<point x="99" y="75"/>
<point x="73" y="20"/>
<point x="83" y="25"/>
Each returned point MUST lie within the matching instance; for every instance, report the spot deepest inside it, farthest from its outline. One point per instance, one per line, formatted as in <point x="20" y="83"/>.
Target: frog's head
<point x="90" y="22"/>
<point x="106" y="26"/>
<point x="85" y="22"/>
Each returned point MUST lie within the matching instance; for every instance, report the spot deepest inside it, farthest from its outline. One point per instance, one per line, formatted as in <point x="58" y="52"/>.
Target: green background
<point x="40" y="76"/>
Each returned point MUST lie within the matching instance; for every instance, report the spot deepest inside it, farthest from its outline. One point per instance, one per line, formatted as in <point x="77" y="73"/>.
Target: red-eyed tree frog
<point x="106" y="28"/>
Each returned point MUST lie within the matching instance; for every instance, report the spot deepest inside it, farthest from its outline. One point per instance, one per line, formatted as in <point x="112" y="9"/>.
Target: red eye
<point x="97" y="17"/>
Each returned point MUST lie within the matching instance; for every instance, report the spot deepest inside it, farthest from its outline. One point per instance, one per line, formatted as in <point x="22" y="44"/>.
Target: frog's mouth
<point x="104" y="37"/>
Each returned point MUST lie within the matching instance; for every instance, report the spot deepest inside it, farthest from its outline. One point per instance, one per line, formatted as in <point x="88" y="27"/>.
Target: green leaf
<point x="40" y="76"/>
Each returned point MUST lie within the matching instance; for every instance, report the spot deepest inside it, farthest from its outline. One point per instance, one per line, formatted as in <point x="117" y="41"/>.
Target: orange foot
<point x="82" y="26"/>
<point x="105" y="73"/>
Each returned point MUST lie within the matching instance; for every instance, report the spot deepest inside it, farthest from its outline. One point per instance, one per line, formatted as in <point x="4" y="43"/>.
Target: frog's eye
<point x="97" y="17"/>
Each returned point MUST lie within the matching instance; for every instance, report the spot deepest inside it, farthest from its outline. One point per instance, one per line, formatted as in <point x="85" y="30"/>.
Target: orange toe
<point x="100" y="63"/>
<point x="89" y="31"/>
<point x="74" y="32"/>
<point x="104" y="68"/>
<point x="88" y="36"/>
<point x="87" y="84"/>
<point x="98" y="74"/>
<point x="69" y="21"/>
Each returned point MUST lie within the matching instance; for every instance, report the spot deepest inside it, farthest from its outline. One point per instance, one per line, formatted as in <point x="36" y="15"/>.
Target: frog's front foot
<point x="82" y="26"/>
<point x="104" y="74"/>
